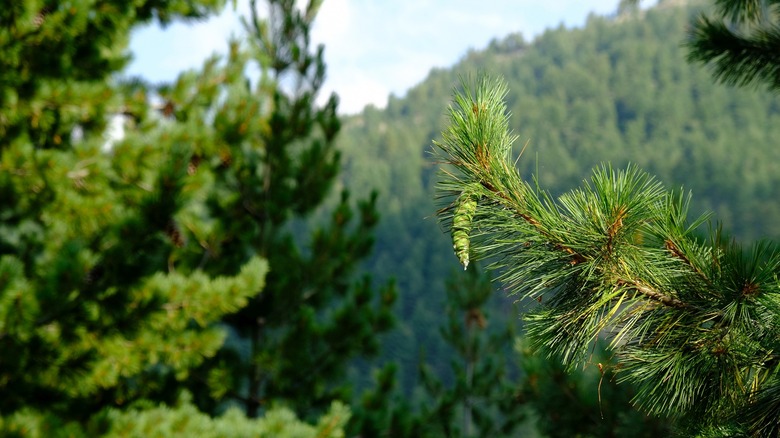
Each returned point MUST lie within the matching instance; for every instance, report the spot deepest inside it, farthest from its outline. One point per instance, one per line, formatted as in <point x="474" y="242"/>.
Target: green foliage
<point x="182" y="420"/>
<point x="586" y="403"/>
<point x="479" y="397"/>
<point x="267" y="155"/>
<point x="128" y="265"/>
<point x="44" y="42"/>
<point x="740" y="42"/>
<point x="383" y="411"/>
<point x="617" y="89"/>
<point x="483" y="400"/>
<point x="694" y="325"/>
<point x="185" y="420"/>
<point x="95" y="311"/>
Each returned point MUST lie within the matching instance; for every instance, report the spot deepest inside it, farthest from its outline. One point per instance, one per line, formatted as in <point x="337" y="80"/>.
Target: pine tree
<point x="587" y="402"/>
<point x="478" y="397"/>
<point x="694" y="323"/>
<point x="383" y="411"/>
<point x="185" y="420"/>
<point x="94" y="310"/>
<point x="482" y="400"/>
<point x="116" y="267"/>
<point x="271" y="159"/>
<point x="181" y="419"/>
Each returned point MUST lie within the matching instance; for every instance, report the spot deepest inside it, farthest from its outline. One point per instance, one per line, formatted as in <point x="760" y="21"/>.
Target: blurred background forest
<point x="247" y="262"/>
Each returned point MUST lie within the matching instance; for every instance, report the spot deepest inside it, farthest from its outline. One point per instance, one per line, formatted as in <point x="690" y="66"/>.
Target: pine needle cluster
<point x="740" y="40"/>
<point x="693" y="322"/>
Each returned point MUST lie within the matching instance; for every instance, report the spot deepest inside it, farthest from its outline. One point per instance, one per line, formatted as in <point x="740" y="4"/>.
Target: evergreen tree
<point x="180" y="420"/>
<point x="120" y="259"/>
<point x="94" y="310"/>
<point x="383" y="411"/>
<point x="271" y="158"/>
<point x="585" y="403"/>
<point x="478" y="397"/>
<point x="482" y="400"/>
<point x="693" y="323"/>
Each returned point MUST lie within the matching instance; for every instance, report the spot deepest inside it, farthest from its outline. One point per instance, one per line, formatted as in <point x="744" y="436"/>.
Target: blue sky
<point x="372" y="47"/>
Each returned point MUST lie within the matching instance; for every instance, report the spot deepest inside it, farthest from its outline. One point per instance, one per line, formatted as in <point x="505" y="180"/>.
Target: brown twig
<point x="653" y="294"/>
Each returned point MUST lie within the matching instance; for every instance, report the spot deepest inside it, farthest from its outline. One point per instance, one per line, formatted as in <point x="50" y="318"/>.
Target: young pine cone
<point x="465" y="207"/>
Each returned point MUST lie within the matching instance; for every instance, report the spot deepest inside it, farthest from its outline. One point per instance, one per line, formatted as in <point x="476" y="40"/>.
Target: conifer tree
<point x="272" y="161"/>
<point x="588" y="402"/>
<point x="383" y="411"/>
<point x="482" y="400"/>
<point x="94" y="309"/>
<point x="186" y="421"/>
<point x="479" y="397"/>
<point x="112" y="284"/>
<point x="694" y="323"/>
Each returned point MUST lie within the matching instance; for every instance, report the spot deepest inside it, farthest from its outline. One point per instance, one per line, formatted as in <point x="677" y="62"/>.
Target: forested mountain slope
<point x="618" y="90"/>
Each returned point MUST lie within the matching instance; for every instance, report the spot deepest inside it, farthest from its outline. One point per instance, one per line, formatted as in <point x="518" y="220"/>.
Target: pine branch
<point x="653" y="294"/>
<point x="737" y="57"/>
<point x="690" y="323"/>
<point x="742" y="10"/>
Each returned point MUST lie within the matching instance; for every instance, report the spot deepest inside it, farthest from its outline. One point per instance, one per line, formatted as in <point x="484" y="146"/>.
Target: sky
<point x="373" y="48"/>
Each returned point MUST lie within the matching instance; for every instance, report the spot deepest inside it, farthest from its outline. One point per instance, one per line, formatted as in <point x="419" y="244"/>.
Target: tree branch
<point x="653" y="294"/>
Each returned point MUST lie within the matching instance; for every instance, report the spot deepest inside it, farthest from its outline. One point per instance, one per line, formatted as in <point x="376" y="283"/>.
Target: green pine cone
<point x="465" y="207"/>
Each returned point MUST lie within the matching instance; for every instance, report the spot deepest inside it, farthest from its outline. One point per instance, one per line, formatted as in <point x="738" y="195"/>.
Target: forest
<point x="247" y="262"/>
<point x="617" y="90"/>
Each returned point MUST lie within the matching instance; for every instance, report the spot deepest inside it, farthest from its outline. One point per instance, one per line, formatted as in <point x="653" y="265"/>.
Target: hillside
<point x="617" y="90"/>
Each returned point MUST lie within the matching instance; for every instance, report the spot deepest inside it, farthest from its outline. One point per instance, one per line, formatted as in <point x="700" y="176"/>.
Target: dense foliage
<point x="618" y="89"/>
<point x="150" y="284"/>
<point x="270" y="154"/>
<point x="131" y="268"/>
<point x="95" y="310"/>
<point x="694" y="323"/>
<point x="484" y="397"/>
